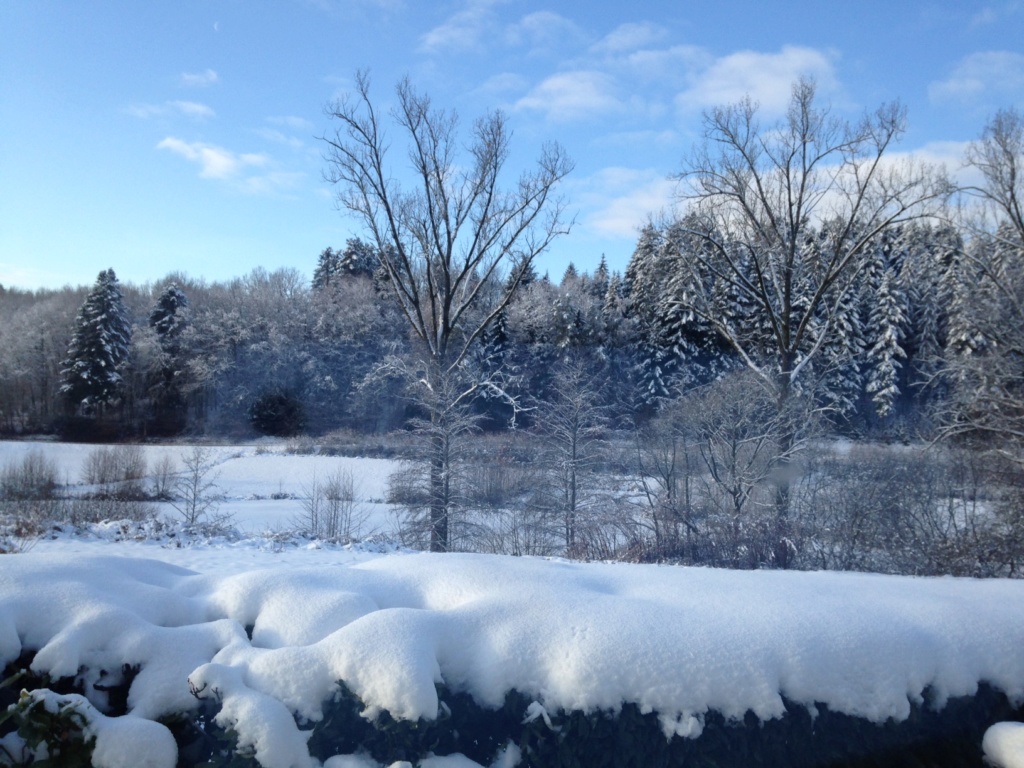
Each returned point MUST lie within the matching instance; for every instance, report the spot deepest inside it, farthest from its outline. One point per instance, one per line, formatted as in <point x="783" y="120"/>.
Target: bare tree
<point x="666" y="461"/>
<point x="781" y="218"/>
<point x="985" y="354"/>
<point x="999" y="156"/>
<point x="197" y="493"/>
<point x="779" y="227"/>
<point x="445" y="240"/>
<point x="745" y="441"/>
<point x="573" y="421"/>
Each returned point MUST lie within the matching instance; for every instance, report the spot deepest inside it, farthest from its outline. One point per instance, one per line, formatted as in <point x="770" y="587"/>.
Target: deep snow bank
<point x="677" y="641"/>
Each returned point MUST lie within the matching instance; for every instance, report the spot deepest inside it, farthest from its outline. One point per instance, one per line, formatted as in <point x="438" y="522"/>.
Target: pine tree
<point x="887" y="320"/>
<point x="91" y="373"/>
<point x="359" y="259"/>
<point x="599" y="284"/>
<point x="570" y="276"/>
<point x="168" y="318"/>
<point x="926" y="282"/>
<point x="328" y="266"/>
<point x="168" y="321"/>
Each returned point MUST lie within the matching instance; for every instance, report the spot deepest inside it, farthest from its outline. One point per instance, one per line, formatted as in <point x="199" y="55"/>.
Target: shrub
<point x="163" y="478"/>
<point x="116" y="472"/>
<point x="330" y="509"/>
<point x="33" y="478"/>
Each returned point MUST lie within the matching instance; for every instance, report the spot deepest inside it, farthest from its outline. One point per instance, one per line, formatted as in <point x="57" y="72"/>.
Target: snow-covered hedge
<point x="543" y="662"/>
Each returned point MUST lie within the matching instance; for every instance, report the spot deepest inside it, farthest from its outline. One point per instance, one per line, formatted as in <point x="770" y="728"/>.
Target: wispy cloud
<point x="503" y="85"/>
<point x="271" y="183"/>
<point x="980" y="76"/>
<point x="674" y="66"/>
<point x="543" y="31"/>
<point x="573" y="95"/>
<point x="984" y="17"/>
<point x="276" y="136"/>
<point x="214" y="162"/>
<point x="621" y="200"/>
<point x="994" y="14"/>
<point x="199" y="79"/>
<point x="767" y="78"/>
<point x="282" y="129"/>
<point x="464" y="30"/>
<point x="191" y="109"/>
<point x="248" y="172"/>
<point x="630" y="37"/>
<point x="292" y="122"/>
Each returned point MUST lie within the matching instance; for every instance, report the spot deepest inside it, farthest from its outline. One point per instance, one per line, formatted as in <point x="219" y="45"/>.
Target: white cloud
<point x="504" y="83"/>
<point x="214" y="162"/>
<point x="667" y="65"/>
<point x="621" y="200"/>
<point x="248" y="172"/>
<point x="291" y="121"/>
<point x="543" y="30"/>
<point x="984" y="17"/>
<point x="940" y="154"/>
<point x="269" y="183"/>
<point x="573" y="95"/>
<point x="199" y="79"/>
<point x="272" y="134"/>
<point x="981" y="75"/>
<point x="767" y="78"/>
<point x="191" y="109"/>
<point x="995" y="14"/>
<point x="463" y="31"/>
<point x="630" y="37"/>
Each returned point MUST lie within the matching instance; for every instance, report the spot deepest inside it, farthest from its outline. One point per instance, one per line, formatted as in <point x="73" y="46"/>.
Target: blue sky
<point x="158" y="136"/>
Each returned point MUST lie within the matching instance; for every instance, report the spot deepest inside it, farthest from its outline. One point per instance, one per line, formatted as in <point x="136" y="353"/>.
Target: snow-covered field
<point x="392" y="623"/>
<point x="262" y="484"/>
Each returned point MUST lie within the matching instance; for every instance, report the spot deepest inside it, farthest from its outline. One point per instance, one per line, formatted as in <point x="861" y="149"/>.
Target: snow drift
<point x="272" y="643"/>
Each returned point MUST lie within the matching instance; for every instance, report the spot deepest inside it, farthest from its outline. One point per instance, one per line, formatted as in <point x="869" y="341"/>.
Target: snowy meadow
<point x="152" y="643"/>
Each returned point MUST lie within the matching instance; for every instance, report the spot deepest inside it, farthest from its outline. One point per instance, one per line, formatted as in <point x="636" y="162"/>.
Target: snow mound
<point x="272" y="643"/>
<point x="1003" y="745"/>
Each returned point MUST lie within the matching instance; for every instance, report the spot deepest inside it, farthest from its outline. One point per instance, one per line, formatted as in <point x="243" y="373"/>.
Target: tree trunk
<point x="440" y="484"/>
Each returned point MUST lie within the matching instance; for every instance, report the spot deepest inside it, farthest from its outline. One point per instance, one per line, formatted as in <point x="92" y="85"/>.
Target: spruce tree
<point x="887" y="320"/>
<point x="91" y="374"/>
<point x="328" y="265"/>
<point x="168" y="318"/>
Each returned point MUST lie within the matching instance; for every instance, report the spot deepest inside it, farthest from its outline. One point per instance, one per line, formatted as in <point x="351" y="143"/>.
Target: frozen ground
<point x="263" y="485"/>
<point x="391" y="624"/>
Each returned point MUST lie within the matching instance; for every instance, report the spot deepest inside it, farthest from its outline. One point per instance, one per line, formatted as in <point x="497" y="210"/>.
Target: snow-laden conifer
<point x="91" y="374"/>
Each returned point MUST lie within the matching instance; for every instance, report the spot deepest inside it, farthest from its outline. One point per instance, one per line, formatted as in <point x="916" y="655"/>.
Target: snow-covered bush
<point x="330" y="509"/>
<point x="32" y="478"/>
<point x="116" y="471"/>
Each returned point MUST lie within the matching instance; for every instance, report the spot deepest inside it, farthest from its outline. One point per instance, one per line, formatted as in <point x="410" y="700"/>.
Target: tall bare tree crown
<point x="444" y="238"/>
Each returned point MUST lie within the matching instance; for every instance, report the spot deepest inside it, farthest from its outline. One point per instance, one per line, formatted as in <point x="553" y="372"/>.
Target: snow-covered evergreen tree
<point x="839" y="379"/>
<point x="887" y="322"/>
<point x="168" y="321"/>
<point x="91" y="374"/>
<point x="168" y="318"/>
<point x="328" y="266"/>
